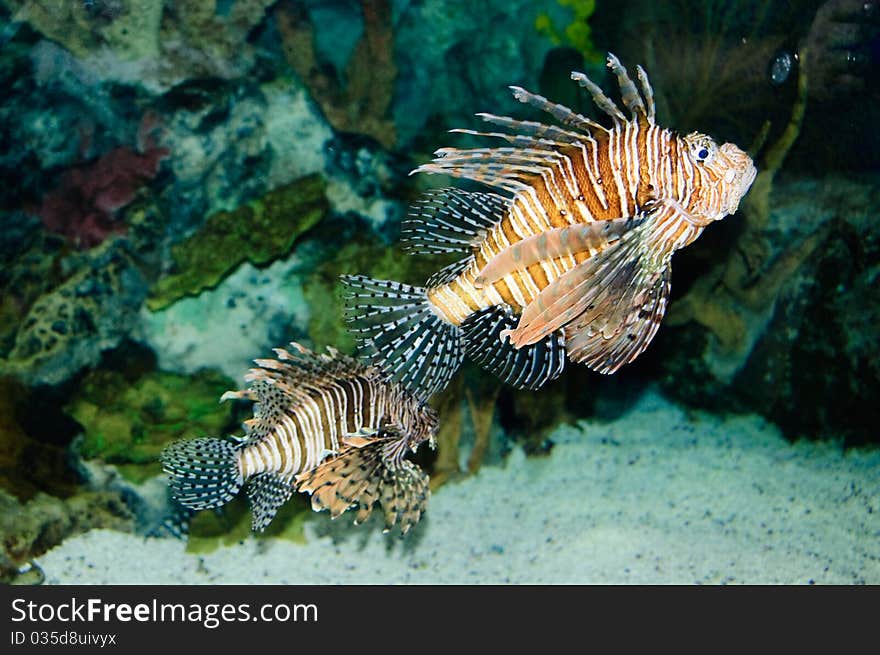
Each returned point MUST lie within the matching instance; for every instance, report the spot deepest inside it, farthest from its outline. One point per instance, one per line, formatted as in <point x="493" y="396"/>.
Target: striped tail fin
<point x="402" y="333"/>
<point x="203" y="473"/>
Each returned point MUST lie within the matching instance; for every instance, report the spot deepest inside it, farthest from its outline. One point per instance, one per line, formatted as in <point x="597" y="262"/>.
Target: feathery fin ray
<point x="360" y="476"/>
<point x="450" y="220"/>
<point x="610" y="305"/>
<point x="528" y="367"/>
<point x="396" y="323"/>
<point x="550" y="244"/>
<point x="203" y="473"/>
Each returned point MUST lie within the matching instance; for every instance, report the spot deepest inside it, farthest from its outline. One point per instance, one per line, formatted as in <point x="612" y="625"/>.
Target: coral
<point x="31" y="266"/>
<point x="481" y="401"/>
<point x="29" y="529"/>
<point x="151" y="43"/>
<point x="69" y="326"/>
<point x="449" y="408"/>
<point x="205" y="40"/>
<point x="361" y="102"/>
<point x="128" y="422"/>
<point x="258" y="232"/>
<point x="83" y="205"/>
<point x="734" y="299"/>
<point x="577" y="34"/>
<point x="83" y="31"/>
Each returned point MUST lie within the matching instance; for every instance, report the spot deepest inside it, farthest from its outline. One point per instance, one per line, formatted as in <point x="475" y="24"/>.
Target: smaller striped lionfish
<point x="323" y="424"/>
<point x="572" y="262"/>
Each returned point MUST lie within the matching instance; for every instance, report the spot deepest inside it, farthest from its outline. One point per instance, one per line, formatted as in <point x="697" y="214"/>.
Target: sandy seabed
<point x="658" y="495"/>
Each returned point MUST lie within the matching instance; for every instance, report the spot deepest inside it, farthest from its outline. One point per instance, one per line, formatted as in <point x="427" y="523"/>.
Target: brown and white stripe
<point x="321" y="412"/>
<point x="586" y="217"/>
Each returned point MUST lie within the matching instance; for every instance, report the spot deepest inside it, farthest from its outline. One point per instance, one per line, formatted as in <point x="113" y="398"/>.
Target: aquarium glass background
<point x="185" y="182"/>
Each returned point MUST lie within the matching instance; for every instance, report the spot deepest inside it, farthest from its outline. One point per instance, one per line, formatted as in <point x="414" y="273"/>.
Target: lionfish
<point x="570" y="261"/>
<point x="323" y="424"/>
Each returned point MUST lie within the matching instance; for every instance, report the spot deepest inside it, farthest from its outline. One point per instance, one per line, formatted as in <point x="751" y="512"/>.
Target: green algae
<point x="209" y="529"/>
<point x="322" y="289"/>
<point x="28" y="529"/>
<point x="258" y="232"/>
<point x="577" y="34"/>
<point x="128" y="423"/>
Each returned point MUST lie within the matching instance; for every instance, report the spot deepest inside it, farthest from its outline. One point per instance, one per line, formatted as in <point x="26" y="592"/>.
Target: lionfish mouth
<point x="745" y="182"/>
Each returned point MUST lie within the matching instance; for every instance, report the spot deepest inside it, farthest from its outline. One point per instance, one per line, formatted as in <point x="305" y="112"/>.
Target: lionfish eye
<point x="702" y="154"/>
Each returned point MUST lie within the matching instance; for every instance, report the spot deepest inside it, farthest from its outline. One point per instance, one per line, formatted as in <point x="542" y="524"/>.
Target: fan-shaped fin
<point x="550" y="244"/>
<point x="529" y="367"/>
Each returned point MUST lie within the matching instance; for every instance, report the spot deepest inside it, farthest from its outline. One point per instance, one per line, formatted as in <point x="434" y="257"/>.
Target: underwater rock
<point x="226" y="327"/>
<point x="30" y="529"/>
<point x="235" y="141"/>
<point x="144" y="490"/>
<point x="295" y="132"/>
<point x="53" y="116"/>
<point x="294" y="298"/>
<point x="130" y="28"/>
<point x="355" y="97"/>
<point x="30" y="463"/>
<point x="436" y="45"/>
<point x="256" y="232"/>
<point x="30" y="261"/>
<point x="127" y="422"/>
<point x="367" y="180"/>
<point x="809" y="340"/>
<point x="454" y="61"/>
<point x="69" y="326"/>
<point x="150" y="43"/>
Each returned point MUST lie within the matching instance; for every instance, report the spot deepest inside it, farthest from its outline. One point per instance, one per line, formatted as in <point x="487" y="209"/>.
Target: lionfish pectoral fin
<point x="350" y="478"/>
<point x="550" y="244"/>
<point x="624" y="335"/>
<point x="529" y="367"/>
<point x="359" y="477"/>
<point x="267" y="492"/>
<point x="358" y="439"/>
<point x="404" y="495"/>
<point x="591" y="289"/>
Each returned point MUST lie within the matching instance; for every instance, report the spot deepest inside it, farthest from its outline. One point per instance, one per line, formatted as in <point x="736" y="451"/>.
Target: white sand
<point x="657" y="496"/>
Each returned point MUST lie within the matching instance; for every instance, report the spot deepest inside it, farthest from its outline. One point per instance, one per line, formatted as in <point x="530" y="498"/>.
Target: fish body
<point x="566" y="258"/>
<point x="322" y="424"/>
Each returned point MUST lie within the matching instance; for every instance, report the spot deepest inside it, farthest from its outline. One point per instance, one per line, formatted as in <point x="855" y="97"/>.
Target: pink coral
<point x="83" y="205"/>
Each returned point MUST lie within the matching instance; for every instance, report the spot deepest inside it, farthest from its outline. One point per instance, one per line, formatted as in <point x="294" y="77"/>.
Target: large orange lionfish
<point x="323" y="424"/>
<point x="573" y="261"/>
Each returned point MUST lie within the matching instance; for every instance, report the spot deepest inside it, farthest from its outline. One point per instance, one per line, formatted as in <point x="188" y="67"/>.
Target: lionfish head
<point x="725" y="174"/>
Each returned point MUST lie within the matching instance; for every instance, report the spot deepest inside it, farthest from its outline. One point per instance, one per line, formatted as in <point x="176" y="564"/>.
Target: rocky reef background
<point x="184" y="182"/>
